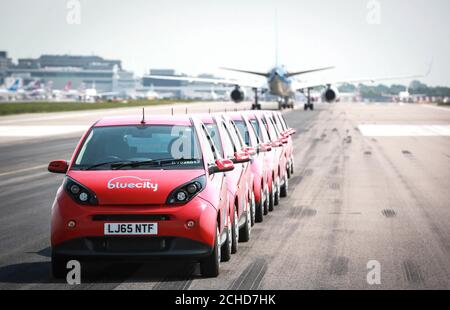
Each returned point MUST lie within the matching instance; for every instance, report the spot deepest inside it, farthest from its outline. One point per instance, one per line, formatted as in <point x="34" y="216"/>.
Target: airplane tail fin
<point x="14" y="86"/>
<point x="68" y="86"/>
<point x="276" y="40"/>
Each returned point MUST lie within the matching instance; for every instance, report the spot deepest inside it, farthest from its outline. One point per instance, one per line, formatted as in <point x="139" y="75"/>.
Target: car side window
<point x="253" y="137"/>
<point x="261" y="134"/>
<point x="275" y="127"/>
<point x="229" y="145"/>
<point x="282" y="122"/>
<point x="210" y="151"/>
<point x="236" y="136"/>
<point x="268" y="131"/>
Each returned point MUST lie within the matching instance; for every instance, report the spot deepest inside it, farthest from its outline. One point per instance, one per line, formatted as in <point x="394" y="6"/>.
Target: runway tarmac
<point x="356" y="199"/>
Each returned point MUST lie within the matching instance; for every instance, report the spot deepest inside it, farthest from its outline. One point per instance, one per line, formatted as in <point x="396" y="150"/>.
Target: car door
<point x="217" y="187"/>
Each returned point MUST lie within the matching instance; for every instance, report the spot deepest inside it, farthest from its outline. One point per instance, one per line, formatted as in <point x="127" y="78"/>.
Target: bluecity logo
<point x="131" y="182"/>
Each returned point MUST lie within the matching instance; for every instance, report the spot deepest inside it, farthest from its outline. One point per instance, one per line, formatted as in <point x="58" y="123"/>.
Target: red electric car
<point x="144" y="188"/>
<point x="281" y="155"/>
<point x="287" y="133"/>
<point x="261" y="172"/>
<point x="226" y="138"/>
<point x="271" y="160"/>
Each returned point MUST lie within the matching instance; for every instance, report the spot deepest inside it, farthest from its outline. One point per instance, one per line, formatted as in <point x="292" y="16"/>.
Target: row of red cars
<point x="188" y="187"/>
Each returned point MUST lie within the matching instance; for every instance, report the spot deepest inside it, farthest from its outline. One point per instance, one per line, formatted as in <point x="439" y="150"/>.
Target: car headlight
<point x="186" y="192"/>
<point x="80" y="193"/>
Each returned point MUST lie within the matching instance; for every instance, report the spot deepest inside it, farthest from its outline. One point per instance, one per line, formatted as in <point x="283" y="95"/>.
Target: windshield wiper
<point x="155" y="162"/>
<point x="111" y="163"/>
<point x="118" y="166"/>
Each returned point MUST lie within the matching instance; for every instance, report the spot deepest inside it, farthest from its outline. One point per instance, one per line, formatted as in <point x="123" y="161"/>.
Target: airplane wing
<point x="291" y="74"/>
<point x="317" y="83"/>
<point x="224" y="82"/>
<point x="266" y="75"/>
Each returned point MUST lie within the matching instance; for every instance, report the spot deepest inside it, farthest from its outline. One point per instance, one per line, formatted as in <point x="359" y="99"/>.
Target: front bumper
<point x="132" y="248"/>
<point x="171" y="222"/>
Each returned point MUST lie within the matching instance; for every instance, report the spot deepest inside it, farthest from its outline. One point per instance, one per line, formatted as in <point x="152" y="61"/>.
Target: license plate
<point x="131" y="229"/>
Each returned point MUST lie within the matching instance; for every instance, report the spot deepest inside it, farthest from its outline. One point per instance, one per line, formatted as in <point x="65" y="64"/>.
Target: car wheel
<point x="59" y="268"/>
<point x="226" y="247"/>
<point x="276" y="200"/>
<point x="271" y="198"/>
<point x="266" y="201"/>
<point x="260" y="208"/>
<point x="285" y="187"/>
<point x="292" y="166"/>
<point x="235" y="233"/>
<point x="288" y="170"/>
<point x="209" y="267"/>
<point x="253" y="210"/>
<point x="244" y="234"/>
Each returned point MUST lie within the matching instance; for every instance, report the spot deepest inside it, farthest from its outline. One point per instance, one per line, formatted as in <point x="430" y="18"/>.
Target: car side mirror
<point x="58" y="166"/>
<point x="241" y="157"/>
<point x="292" y="131"/>
<point x="265" y="147"/>
<point x="250" y="151"/>
<point x="277" y="143"/>
<point x="222" y="165"/>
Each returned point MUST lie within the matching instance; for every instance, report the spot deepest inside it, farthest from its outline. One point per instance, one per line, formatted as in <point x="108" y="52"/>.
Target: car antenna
<point x="143" y="116"/>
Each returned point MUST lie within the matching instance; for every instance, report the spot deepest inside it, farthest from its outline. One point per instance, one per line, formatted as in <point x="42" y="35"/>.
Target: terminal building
<point x="5" y="62"/>
<point x="183" y="89"/>
<point x="81" y="71"/>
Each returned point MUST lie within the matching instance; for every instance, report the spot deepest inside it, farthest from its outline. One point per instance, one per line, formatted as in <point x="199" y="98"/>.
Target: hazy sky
<point x="195" y="36"/>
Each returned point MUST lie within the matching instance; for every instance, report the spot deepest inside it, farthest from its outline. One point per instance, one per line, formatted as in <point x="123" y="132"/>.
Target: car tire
<point x="235" y="233"/>
<point x="253" y="210"/>
<point x="288" y="170"/>
<point x="285" y="187"/>
<point x="259" y="213"/>
<point x="292" y="166"/>
<point x="245" y="231"/>
<point x="209" y="267"/>
<point x="271" y="199"/>
<point x="59" y="268"/>
<point x="276" y="200"/>
<point x="226" y="247"/>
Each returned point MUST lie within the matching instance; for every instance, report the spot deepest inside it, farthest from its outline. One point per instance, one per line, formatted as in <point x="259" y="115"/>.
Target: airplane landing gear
<point x="256" y="105"/>
<point x="285" y="103"/>
<point x="309" y="104"/>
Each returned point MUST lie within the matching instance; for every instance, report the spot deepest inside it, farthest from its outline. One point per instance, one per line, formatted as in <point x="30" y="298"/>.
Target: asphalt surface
<point x="353" y="199"/>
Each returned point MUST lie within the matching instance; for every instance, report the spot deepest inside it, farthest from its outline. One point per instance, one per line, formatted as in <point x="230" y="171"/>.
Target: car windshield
<point x="140" y="147"/>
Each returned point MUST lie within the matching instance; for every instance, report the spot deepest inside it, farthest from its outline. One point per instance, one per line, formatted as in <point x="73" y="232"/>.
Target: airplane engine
<point x="238" y="94"/>
<point x="330" y="95"/>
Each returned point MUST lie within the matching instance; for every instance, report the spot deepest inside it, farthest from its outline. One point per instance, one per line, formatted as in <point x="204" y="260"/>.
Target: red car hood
<point x="133" y="187"/>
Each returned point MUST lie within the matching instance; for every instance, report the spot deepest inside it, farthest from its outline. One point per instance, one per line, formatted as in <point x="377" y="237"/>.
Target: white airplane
<point x="279" y="82"/>
<point x="12" y="91"/>
<point x="66" y="93"/>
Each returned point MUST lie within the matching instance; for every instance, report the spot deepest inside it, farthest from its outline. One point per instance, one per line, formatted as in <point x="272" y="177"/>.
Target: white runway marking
<point x="39" y="131"/>
<point x="23" y="170"/>
<point x="405" y="130"/>
<point x="434" y="107"/>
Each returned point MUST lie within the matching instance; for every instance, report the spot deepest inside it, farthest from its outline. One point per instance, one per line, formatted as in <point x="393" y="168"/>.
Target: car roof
<point x="180" y="120"/>
<point x="208" y="118"/>
<point x="236" y="116"/>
